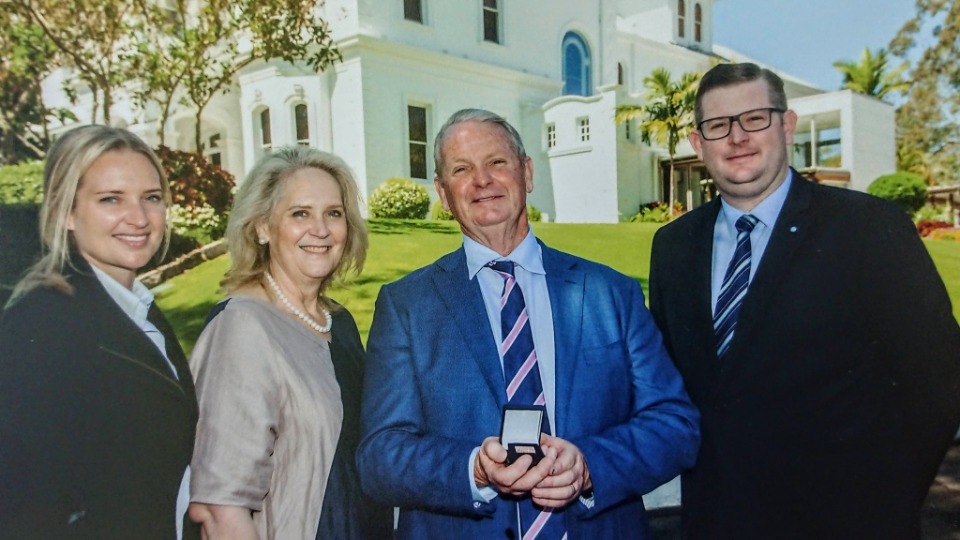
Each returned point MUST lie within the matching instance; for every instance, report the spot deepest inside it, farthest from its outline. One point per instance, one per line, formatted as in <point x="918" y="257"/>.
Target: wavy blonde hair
<point x="256" y="201"/>
<point x="66" y="164"/>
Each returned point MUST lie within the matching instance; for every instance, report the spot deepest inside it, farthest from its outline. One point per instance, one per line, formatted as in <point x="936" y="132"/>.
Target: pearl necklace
<point x="303" y="316"/>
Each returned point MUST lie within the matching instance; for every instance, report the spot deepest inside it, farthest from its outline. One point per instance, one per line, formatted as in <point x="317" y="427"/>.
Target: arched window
<point x="697" y="23"/>
<point x="681" y="18"/>
<point x="266" y="136"/>
<point x="212" y="149"/>
<point x="302" y="124"/>
<point x="620" y="77"/>
<point x="576" y="66"/>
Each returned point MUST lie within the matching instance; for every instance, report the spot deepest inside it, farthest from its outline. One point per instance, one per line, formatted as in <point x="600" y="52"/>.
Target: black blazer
<point x="95" y="432"/>
<point x="840" y="392"/>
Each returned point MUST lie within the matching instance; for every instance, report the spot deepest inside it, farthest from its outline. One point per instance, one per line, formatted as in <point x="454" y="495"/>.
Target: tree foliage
<point x="871" y="75"/>
<point x="928" y="122"/>
<point x="172" y="53"/>
<point x="93" y="37"/>
<point x="667" y="115"/>
<point x="201" y="48"/>
<point x="26" y="57"/>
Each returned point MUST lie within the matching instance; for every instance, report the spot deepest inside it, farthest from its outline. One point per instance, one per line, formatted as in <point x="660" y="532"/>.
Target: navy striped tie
<point x="734" y="286"/>
<point x="524" y="387"/>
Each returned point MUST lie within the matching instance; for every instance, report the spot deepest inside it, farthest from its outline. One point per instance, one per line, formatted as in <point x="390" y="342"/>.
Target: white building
<point x="555" y="70"/>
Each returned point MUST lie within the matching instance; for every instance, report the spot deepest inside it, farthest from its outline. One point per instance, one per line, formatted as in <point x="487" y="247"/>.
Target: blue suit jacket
<point x="434" y="390"/>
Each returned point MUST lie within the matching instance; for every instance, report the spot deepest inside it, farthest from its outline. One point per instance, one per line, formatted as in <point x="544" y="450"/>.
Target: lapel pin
<point x="793" y="229"/>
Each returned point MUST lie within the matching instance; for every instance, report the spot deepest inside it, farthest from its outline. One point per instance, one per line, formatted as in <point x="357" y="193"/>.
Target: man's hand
<point x="568" y="476"/>
<point x="491" y="469"/>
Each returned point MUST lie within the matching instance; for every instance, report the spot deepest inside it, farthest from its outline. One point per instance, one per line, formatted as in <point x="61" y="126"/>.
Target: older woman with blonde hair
<point x="97" y="405"/>
<point x="279" y="365"/>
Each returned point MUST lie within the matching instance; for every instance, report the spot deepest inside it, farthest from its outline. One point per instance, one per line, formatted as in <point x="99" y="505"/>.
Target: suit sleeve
<point x="661" y="436"/>
<point x="917" y="335"/>
<point x="400" y="463"/>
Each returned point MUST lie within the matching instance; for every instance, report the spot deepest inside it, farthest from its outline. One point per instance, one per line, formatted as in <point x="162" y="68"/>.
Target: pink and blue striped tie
<point x="522" y="376"/>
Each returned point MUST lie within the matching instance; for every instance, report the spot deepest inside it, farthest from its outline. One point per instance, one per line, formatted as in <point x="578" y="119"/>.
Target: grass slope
<point x="397" y="247"/>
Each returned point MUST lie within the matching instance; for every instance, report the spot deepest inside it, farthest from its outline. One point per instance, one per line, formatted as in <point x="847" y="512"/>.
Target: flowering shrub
<point x="951" y="233"/>
<point x="927" y="226"/>
<point x="197" y="220"/>
<point x="656" y="212"/>
<point x="935" y="212"/>
<point x="438" y="213"/>
<point x="202" y="193"/>
<point x="400" y="198"/>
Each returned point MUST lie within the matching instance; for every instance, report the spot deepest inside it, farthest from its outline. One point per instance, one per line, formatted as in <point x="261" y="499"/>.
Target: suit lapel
<point x="701" y="272"/>
<point x="464" y="302"/>
<point x="565" y="285"/>
<point x="125" y="338"/>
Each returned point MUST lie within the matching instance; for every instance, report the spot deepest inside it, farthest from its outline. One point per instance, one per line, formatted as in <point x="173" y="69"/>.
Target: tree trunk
<point x="198" y="144"/>
<point x="107" y="103"/>
<point x="672" y="188"/>
<point x="96" y="104"/>
<point x="162" y="130"/>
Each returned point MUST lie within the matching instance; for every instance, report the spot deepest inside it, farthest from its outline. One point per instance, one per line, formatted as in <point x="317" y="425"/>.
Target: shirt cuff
<point x="480" y="495"/>
<point x="587" y="501"/>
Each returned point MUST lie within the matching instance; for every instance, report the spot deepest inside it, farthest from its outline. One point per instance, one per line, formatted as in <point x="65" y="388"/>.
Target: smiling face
<point x="746" y="166"/>
<point x="308" y="228"/>
<point x="484" y="184"/>
<point x="118" y="215"/>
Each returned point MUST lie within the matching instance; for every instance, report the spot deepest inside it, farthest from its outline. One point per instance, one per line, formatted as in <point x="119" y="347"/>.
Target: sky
<point x="805" y="37"/>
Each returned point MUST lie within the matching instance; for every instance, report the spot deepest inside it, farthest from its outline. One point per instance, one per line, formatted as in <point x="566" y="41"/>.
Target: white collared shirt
<point x="135" y="303"/>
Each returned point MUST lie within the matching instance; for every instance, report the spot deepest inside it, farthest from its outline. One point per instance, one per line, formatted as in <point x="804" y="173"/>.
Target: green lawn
<point x="397" y="247"/>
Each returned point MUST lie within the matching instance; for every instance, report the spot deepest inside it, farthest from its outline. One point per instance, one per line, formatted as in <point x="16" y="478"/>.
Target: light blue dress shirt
<point x="725" y="235"/>
<point x="532" y="279"/>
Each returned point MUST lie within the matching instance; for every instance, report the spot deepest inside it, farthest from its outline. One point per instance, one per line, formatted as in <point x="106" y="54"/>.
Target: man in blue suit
<point x="507" y="320"/>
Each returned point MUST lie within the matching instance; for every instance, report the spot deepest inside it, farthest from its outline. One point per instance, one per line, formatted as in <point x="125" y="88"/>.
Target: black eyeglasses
<point x="755" y="120"/>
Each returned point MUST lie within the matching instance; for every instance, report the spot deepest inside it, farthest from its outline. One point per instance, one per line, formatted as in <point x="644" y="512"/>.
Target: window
<point x="417" y="138"/>
<point x="491" y="21"/>
<point x="266" y="139"/>
<point x="620" y="76"/>
<point x="697" y="23"/>
<point x="681" y="18"/>
<point x="551" y="135"/>
<point x="413" y="10"/>
<point x="584" y="124"/>
<point x="302" y="124"/>
<point x="212" y="151"/>
<point x="627" y="129"/>
<point x="576" y="66"/>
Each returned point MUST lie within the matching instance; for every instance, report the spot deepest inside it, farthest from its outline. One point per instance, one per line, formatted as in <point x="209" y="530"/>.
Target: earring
<point x="262" y="241"/>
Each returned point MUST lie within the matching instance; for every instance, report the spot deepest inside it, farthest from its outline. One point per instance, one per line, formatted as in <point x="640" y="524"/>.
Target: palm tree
<point x="667" y="116"/>
<point x="870" y="76"/>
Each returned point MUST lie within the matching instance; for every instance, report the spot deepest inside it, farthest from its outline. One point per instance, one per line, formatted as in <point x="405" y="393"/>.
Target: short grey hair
<point x="476" y="115"/>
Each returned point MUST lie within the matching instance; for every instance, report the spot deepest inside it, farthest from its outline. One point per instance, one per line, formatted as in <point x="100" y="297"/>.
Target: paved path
<point x="941" y="513"/>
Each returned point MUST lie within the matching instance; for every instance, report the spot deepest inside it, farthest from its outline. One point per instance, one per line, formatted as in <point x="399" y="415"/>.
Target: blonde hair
<point x="66" y="164"/>
<point x="256" y="201"/>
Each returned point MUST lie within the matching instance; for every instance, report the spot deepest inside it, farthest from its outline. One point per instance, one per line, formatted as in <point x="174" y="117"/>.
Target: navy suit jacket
<point x="834" y="405"/>
<point x="434" y="390"/>
<point x="95" y="431"/>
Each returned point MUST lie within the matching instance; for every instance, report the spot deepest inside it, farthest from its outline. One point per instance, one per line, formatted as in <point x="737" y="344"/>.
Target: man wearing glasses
<point x="812" y="331"/>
